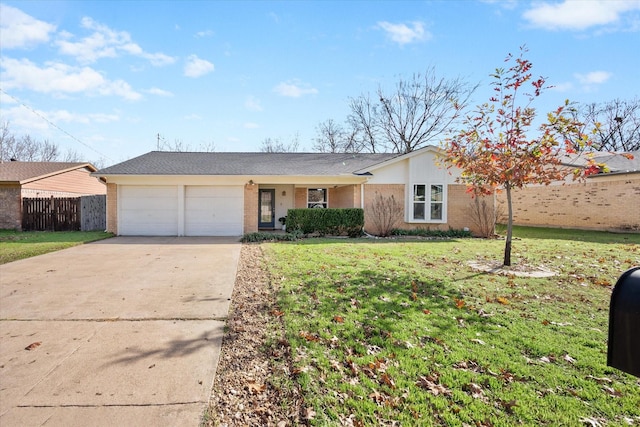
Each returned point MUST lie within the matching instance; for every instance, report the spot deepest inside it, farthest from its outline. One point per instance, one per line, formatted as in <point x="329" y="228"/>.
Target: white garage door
<point x="148" y="210"/>
<point x="213" y="210"/>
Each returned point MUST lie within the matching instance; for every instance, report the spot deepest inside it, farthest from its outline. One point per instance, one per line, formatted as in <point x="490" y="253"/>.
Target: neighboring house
<point x="605" y="201"/>
<point x="229" y="194"/>
<point x="19" y="180"/>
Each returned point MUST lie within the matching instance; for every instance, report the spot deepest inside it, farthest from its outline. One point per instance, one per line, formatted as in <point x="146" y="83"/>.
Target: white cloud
<point x="159" y="92"/>
<point x="578" y="14"/>
<point x="196" y="67"/>
<point x="504" y="4"/>
<point x="26" y="119"/>
<point x="253" y="104"/>
<point x="20" y="30"/>
<point x="594" y="77"/>
<point x="274" y="17"/>
<point x="59" y="116"/>
<point x="294" y="89"/>
<point x="403" y="34"/>
<point x="104" y="42"/>
<point x="58" y="78"/>
<point x="192" y="117"/>
<point x="205" y="33"/>
<point x="251" y="125"/>
<point x="562" y="87"/>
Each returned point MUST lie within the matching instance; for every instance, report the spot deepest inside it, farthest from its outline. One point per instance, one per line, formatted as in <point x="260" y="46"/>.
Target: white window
<point x="317" y="198"/>
<point x="428" y="203"/>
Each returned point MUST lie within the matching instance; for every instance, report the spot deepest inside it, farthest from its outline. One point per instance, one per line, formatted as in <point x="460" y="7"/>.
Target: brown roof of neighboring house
<point x="24" y="172"/>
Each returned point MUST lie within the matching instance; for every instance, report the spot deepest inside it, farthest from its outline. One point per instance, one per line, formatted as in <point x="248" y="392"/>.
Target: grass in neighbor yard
<point x="406" y="333"/>
<point x="15" y="245"/>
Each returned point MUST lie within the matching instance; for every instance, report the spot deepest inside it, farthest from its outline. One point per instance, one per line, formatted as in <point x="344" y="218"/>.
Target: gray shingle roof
<point x="26" y="171"/>
<point x="299" y="164"/>
<point x="616" y="162"/>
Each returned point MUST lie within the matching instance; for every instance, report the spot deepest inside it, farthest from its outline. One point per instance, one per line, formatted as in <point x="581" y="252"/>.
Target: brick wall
<point x="10" y="207"/>
<point x="300" y="201"/>
<point x="598" y="204"/>
<point x="344" y="197"/>
<point x="458" y="207"/>
<point x="250" y="208"/>
<point x="385" y="190"/>
<point x="112" y="208"/>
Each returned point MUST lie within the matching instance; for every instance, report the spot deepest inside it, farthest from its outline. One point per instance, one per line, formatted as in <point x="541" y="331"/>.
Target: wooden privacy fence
<point x="64" y="213"/>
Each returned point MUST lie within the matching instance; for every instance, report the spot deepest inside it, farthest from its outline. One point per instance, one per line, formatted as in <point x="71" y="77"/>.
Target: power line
<point x="53" y="124"/>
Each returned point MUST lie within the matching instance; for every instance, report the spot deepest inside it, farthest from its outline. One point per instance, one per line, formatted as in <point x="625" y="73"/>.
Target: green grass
<point x="406" y="332"/>
<point x="15" y="245"/>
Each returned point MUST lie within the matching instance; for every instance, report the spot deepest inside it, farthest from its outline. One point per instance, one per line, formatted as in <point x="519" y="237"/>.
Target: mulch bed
<point x="253" y="385"/>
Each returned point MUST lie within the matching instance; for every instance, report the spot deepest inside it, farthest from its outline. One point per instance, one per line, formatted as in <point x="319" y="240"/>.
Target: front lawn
<point x="15" y="245"/>
<point x="406" y="333"/>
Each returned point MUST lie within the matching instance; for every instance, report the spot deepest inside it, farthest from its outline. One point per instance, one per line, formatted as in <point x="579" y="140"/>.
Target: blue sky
<point x="112" y="75"/>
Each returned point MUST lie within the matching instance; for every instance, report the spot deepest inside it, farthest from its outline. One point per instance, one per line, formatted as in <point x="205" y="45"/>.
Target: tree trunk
<point x="507" y="245"/>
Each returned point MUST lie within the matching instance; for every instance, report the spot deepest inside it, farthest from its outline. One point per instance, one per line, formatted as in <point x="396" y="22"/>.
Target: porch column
<point x="250" y="208"/>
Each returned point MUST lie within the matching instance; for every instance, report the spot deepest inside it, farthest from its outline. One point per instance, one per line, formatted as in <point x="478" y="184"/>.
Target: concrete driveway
<point x="129" y="332"/>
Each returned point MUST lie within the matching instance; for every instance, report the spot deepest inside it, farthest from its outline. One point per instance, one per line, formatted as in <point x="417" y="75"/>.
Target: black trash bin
<point x="624" y="323"/>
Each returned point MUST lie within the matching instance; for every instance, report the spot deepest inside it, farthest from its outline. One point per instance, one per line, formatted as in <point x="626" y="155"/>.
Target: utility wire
<point x="54" y="125"/>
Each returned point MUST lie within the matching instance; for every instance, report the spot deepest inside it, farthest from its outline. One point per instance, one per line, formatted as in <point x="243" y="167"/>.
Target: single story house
<point x="230" y="194"/>
<point x="19" y="180"/>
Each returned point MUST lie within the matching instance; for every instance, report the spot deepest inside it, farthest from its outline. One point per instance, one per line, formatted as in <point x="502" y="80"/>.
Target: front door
<point x="266" y="208"/>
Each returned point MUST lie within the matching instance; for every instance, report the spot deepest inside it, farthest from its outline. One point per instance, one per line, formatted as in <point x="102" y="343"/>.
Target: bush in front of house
<point x="425" y="232"/>
<point x="269" y="237"/>
<point x="326" y="222"/>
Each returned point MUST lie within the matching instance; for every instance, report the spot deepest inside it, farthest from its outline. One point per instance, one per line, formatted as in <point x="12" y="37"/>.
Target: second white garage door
<point x="213" y="210"/>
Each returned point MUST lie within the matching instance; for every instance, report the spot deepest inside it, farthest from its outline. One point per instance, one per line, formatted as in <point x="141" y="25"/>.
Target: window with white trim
<point x="317" y="198"/>
<point x="428" y="202"/>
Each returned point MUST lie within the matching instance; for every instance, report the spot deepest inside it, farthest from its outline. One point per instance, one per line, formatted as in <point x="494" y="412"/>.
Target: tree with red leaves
<point x="498" y="149"/>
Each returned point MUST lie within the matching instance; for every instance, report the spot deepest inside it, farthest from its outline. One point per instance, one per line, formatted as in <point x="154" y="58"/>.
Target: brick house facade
<point x="163" y="193"/>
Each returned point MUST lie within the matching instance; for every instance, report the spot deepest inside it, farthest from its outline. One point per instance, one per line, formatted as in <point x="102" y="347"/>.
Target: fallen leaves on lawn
<point x="475" y="391"/>
<point x="600" y="380"/>
<point x="611" y="391"/>
<point x="300" y="370"/>
<point x="308" y="413"/>
<point x="338" y="319"/>
<point x="459" y="302"/>
<point x="387" y="380"/>
<point x="508" y="405"/>
<point x="352" y="367"/>
<point x="502" y="300"/>
<point x="431" y="384"/>
<point x="435" y="341"/>
<point x="465" y="365"/>
<point x="600" y="282"/>
<point x="309" y="337"/>
<point x="591" y="421"/>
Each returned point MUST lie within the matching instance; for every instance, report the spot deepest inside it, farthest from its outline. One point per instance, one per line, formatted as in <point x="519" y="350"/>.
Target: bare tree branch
<point x="619" y="124"/>
<point x="276" y="145"/>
